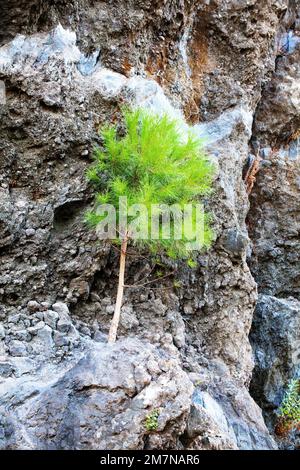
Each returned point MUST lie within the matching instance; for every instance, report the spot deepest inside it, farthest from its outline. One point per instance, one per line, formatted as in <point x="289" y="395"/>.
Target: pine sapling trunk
<point x="112" y="335"/>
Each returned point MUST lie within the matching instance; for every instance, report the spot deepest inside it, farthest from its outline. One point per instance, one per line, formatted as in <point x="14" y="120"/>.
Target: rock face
<point x="274" y="228"/>
<point x="101" y="401"/>
<point x="217" y="67"/>
<point x="276" y="335"/>
<point x="85" y="394"/>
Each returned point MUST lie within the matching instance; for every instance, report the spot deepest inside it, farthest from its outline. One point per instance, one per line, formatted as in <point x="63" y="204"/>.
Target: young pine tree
<point x="152" y="164"/>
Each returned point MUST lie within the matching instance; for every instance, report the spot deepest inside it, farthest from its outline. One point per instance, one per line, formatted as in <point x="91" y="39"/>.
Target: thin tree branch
<point x="149" y="274"/>
<point x="131" y="253"/>
<point x="150" y="282"/>
<point x="152" y="288"/>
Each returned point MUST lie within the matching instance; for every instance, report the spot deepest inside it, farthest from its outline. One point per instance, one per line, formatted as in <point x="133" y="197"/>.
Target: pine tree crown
<point x="152" y="163"/>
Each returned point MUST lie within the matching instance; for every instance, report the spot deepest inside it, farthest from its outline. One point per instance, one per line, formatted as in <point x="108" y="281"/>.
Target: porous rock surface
<point x="274" y="226"/>
<point x="183" y="350"/>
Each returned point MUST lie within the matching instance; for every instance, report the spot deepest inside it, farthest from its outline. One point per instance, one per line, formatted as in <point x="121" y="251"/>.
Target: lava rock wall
<point x="68" y="68"/>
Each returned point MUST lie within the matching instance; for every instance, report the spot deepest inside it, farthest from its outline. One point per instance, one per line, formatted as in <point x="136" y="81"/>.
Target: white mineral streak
<point x="146" y="93"/>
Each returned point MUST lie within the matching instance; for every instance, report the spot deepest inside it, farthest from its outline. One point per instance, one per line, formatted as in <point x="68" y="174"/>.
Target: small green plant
<point x="151" y="421"/>
<point x="290" y="407"/>
<point x="154" y="166"/>
<point x="289" y="411"/>
<point x="177" y="284"/>
<point x="191" y="263"/>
